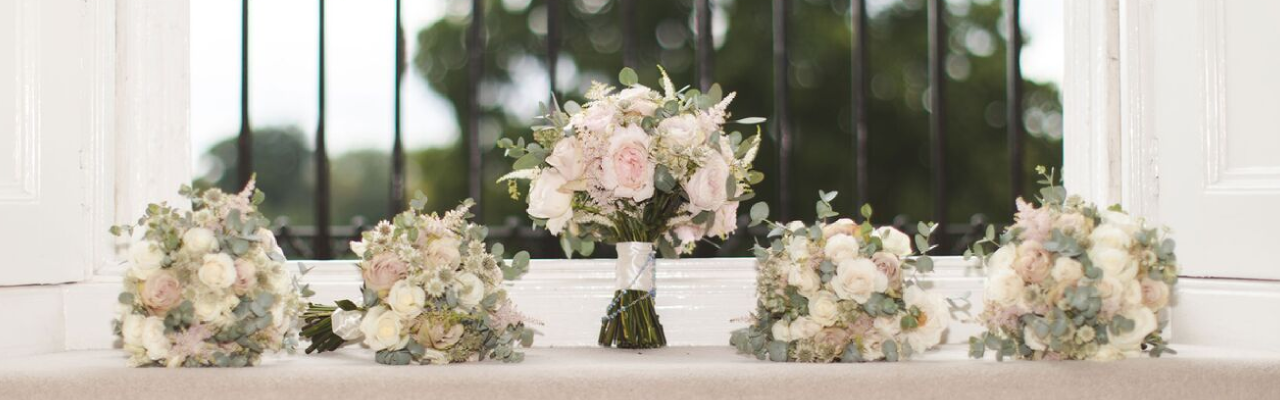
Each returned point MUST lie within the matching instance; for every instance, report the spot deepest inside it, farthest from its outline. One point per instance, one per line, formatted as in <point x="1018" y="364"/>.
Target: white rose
<point x="841" y="226"/>
<point x="567" y="159"/>
<point x="547" y="200"/>
<point x="681" y="130"/>
<point x="1111" y="236"/>
<point x="443" y="251"/>
<point x="805" y="279"/>
<point x="841" y="247"/>
<point x="1132" y="295"/>
<point x="934" y="318"/>
<point x="1031" y="340"/>
<point x="218" y="271"/>
<point x="154" y="339"/>
<point x="1002" y="259"/>
<point x="1067" y="270"/>
<point x="1121" y="220"/>
<point x="782" y="331"/>
<point x="804" y="328"/>
<point x="798" y="248"/>
<point x="638" y="99"/>
<point x="199" y="241"/>
<point x="470" y="289"/>
<point x="894" y="241"/>
<point x="131" y="329"/>
<point x="823" y="308"/>
<point x="595" y="120"/>
<point x="1114" y="262"/>
<point x="626" y="169"/>
<point x="706" y="188"/>
<point x="146" y="257"/>
<point x="382" y="329"/>
<point x="1144" y="322"/>
<point x="857" y="279"/>
<point x="1005" y="287"/>
<point x="406" y="299"/>
<point x="267" y="239"/>
<point x="214" y="308"/>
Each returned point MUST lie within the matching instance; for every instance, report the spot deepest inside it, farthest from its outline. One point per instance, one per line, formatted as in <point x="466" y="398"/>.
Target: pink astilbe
<point x="508" y="315"/>
<point x="1035" y="222"/>
<point x="190" y="342"/>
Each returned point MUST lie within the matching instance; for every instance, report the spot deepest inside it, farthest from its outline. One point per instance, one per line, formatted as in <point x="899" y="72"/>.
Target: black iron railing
<point x="324" y="241"/>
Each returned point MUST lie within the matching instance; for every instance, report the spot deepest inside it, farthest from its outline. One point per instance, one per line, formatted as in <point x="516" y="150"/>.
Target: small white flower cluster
<point x="433" y="294"/>
<point x="206" y="287"/>
<point x="637" y="165"/>
<point x="836" y="292"/>
<point x="1071" y="281"/>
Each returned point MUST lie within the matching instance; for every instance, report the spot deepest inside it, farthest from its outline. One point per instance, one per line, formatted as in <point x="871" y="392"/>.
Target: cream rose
<point x="1005" y="287"/>
<point x="889" y="265"/>
<point x="470" y="289"/>
<point x="1033" y="262"/>
<point x="199" y="241"/>
<point x="1144" y="322"/>
<point x="706" y="188"/>
<point x="131" y="330"/>
<point x="218" y="271"/>
<point x="595" y="120"/>
<point x="567" y="159"/>
<point x="1067" y="271"/>
<point x="549" y="200"/>
<point x="146" y="257"/>
<point x="437" y="336"/>
<point x="626" y="169"/>
<point x="1073" y="224"/>
<point x="781" y="331"/>
<point x="214" y="308"/>
<point x="246" y="276"/>
<point x="682" y="130"/>
<point x="1002" y="259"/>
<point x="857" y="279"/>
<point x="154" y="339"/>
<point x="804" y="328"/>
<point x="931" y="323"/>
<point x="1111" y="236"/>
<point x="805" y="279"/>
<point x="1114" y="262"/>
<point x="637" y="99"/>
<point x="841" y="247"/>
<point x="823" y="308"/>
<point x="406" y="299"/>
<point x="1155" y="294"/>
<point x="1121" y="220"/>
<point x="382" y="329"/>
<point x="383" y="271"/>
<point x="161" y="292"/>
<point x="443" y="251"/>
<point x="894" y="241"/>
<point x="843" y="226"/>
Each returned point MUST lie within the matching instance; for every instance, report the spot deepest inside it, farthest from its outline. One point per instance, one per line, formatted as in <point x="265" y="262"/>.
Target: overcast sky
<point x="360" y="49"/>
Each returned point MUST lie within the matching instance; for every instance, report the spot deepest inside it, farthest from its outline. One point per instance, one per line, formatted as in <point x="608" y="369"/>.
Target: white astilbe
<point x="719" y="112"/>
<point x="526" y="174"/>
<point x="599" y="91"/>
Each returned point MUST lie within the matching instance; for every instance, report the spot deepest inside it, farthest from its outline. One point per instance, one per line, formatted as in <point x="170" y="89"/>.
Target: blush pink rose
<point x="383" y="271"/>
<point x="726" y="220"/>
<point x="889" y="264"/>
<point x="1033" y="262"/>
<point x="627" y="170"/>
<point x="707" y="188"/>
<point x="161" y="292"/>
<point x="246" y="276"/>
<point x="689" y="233"/>
<point x="1155" y="294"/>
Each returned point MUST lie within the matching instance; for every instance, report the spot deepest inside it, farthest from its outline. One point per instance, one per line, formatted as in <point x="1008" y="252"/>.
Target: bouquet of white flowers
<point x="841" y="291"/>
<point x="1070" y="281"/>
<point x="206" y="287"/>
<point x="636" y="168"/>
<point x="432" y="294"/>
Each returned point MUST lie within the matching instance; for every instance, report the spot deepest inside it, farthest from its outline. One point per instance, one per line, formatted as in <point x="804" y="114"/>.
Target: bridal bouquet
<point x="206" y="287"/>
<point x="1071" y="281"/>
<point x="636" y="168"/>
<point x="841" y="291"/>
<point x="432" y="294"/>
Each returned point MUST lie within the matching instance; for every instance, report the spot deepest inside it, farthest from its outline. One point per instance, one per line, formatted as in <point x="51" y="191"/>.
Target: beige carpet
<point x="673" y="373"/>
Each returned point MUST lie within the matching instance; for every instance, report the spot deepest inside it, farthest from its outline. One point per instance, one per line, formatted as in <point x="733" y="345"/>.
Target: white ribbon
<point x="346" y="324"/>
<point x="636" y="266"/>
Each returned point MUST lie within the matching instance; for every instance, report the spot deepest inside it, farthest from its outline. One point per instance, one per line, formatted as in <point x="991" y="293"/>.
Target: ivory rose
<point x="154" y="339"/>
<point x="131" y="330"/>
<point x="199" y="241"/>
<point x="1115" y="263"/>
<point x="567" y="159"/>
<point x="842" y="226"/>
<point x="1067" y="271"/>
<point x="1005" y="287"/>
<point x="1111" y="236"/>
<point x="548" y="200"/>
<point x="638" y="100"/>
<point x="841" y="248"/>
<point x="1144" y="322"/>
<point x="1033" y="261"/>
<point x="805" y="279"/>
<point x="823" y="308"/>
<point x="161" y="292"/>
<point x="804" y="328"/>
<point x="1002" y="259"/>
<point x="706" y="188"/>
<point x="894" y="241"/>
<point x="435" y="335"/>
<point x="682" y="130"/>
<point x="857" y="279"/>
<point x="146" y="257"/>
<point x="627" y="170"/>
<point x="470" y="289"/>
<point x="383" y="271"/>
<point x="442" y="252"/>
<point x="595" y="120"/>
<point x="382" y="329"/>
<point x="218" y="271"/>
<point x="406" y="299"/>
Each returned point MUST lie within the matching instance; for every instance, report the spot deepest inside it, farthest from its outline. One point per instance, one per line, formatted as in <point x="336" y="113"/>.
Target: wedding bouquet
<point x="432" y="294"/>
<point x="841" y="291"/>
<point x="636" y="168"/>
<point x="1071" y="281"/>
<point x="206" y="287"/>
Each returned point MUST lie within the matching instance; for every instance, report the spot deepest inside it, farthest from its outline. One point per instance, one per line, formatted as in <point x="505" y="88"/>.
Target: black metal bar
<point x="475" y="68"/>
<point x="629" y="33"/>
<point x="244" y="142"/>
<point x="322" y="245"/>
<point x="938" y="114"/>
<point x="397" y="149"/>
<point x="1013" y="58"/>
<point x="706" y="44"/>
<point x="781" y="89"/>
<point x="553" y="43"/>
<point x="861" y="64"/>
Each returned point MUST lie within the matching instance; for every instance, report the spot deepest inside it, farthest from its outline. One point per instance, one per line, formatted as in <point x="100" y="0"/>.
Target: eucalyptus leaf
<point x="628" y="76"/>
<point x="750" y="121"/>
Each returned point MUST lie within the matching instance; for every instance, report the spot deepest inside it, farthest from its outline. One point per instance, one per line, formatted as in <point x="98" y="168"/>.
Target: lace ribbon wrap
<point x="636" y="266"/>
<point x="346" y="324"/>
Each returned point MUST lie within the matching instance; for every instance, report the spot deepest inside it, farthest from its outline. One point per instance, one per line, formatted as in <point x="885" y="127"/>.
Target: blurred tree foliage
<point x="820" y="106"/>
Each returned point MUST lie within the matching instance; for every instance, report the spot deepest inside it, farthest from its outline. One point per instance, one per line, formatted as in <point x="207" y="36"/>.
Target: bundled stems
<point x="318" y="327"/>
<point x="633" y="323"/>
